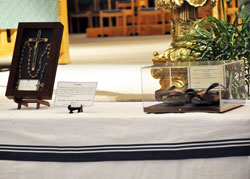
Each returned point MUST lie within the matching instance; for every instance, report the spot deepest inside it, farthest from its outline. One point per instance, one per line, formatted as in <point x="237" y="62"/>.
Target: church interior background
<point x="108" y="42"/>
<point x="113" y="48"/>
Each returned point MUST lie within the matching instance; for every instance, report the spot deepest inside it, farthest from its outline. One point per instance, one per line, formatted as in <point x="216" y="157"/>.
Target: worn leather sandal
<point x="190" y="94"/>
<point x="172" y="96"/>
<point x="210" y="96"/>
<point x="160" y="94"/>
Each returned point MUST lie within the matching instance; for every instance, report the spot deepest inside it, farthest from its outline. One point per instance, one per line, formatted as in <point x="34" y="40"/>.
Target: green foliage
<point x="212" y="39"/>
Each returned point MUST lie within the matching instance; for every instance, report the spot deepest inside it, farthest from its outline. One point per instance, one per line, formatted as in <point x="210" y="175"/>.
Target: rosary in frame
<point x="34" y="63"/>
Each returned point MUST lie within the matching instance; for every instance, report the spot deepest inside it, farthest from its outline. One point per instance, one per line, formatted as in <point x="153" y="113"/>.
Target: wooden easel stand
<point x="25" y="102"/>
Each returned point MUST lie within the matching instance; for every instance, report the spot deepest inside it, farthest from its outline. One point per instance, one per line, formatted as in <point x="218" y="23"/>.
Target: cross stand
<point x="25" y="102"/>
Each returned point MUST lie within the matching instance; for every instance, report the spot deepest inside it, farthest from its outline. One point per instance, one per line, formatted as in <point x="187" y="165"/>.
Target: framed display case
<point x="211" y="86"/>
<point x="35" y="60"/>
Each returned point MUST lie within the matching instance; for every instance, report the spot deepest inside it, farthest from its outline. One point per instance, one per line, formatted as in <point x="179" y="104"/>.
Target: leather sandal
<point x="190" y="94"/>
<point x="172" y="96"/>
<point x="210" y="96"/>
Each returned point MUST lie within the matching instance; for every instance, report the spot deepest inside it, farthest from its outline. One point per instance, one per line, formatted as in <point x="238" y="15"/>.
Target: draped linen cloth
<point x="122" y="135"/>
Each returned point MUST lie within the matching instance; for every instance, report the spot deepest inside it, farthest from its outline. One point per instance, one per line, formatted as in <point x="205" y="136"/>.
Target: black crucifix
<point x="37" y="40"/>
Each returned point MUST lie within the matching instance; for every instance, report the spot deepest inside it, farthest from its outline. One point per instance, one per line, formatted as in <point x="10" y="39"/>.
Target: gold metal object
<point x="185" y="12"/>
<point x="32" y="66"/>
<point x="46" y="51"/>
<point x="37" y="40"/>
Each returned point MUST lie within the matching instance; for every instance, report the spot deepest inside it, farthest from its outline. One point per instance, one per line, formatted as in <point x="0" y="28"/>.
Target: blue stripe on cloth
<point x="125" y="149"/>
<point x="160" y="151"/>
<point x="130" y="145"/>
<point x="123" y="156"/>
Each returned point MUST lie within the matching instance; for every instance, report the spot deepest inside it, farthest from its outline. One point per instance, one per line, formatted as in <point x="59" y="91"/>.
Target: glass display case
<point x="205" y="86"/>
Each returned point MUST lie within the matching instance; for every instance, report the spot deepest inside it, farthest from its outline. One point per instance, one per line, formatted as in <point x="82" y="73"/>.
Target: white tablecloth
<point x="47" y="138"/>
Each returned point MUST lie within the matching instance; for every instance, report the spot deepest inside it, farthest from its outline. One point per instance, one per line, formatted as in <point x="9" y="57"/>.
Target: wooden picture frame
<point x="34" y="62"/>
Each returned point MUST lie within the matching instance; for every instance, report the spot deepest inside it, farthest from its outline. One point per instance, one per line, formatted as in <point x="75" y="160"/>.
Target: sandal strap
<point x="213" y="97"/>
<point x="214" y="85"/>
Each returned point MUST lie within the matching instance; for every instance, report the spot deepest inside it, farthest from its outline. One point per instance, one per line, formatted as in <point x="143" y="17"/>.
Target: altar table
<point x="118" y="140"/>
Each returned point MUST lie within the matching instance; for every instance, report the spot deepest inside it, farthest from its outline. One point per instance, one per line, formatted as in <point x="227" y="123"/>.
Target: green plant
<point x="211" y="39"/>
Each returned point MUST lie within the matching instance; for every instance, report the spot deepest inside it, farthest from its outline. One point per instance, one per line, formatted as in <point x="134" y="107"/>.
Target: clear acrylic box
<point x="205" y="86"/>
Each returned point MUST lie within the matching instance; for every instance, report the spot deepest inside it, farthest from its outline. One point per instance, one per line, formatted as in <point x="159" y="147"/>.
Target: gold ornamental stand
<point x="185" y="12"/>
